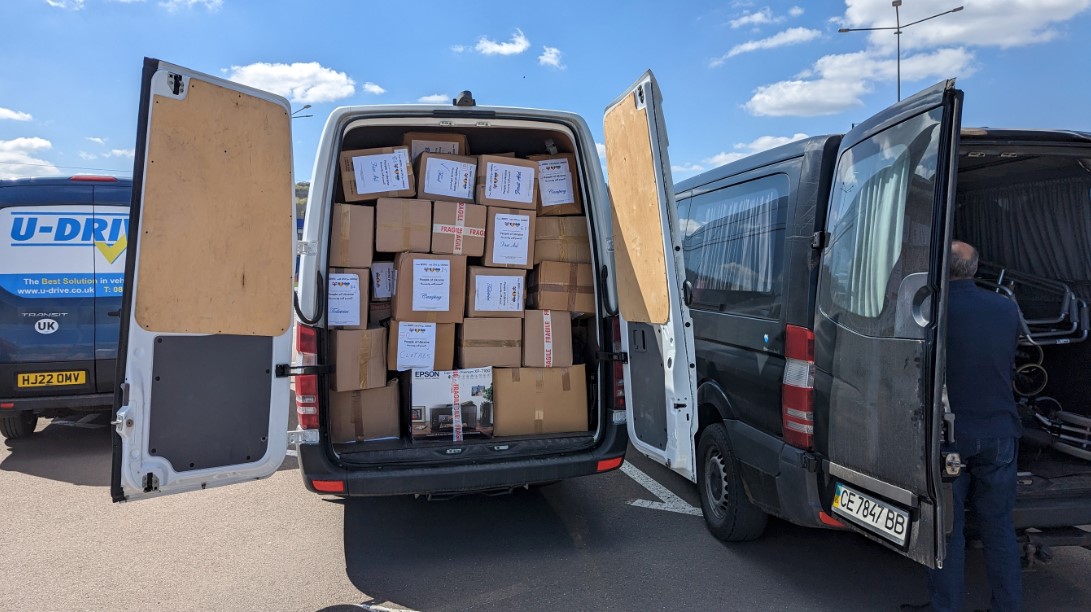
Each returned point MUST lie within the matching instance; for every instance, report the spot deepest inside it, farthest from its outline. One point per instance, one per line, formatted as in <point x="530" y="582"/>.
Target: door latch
<point x="621" y="356"/>
<point x="952" y="464"/>
<point x="302" y="436"/>
<point x="284" y="370"/>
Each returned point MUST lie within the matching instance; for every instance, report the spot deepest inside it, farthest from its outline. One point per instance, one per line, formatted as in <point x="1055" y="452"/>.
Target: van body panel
<point x="877" y="339"/>
<point x="656" y="329"/>
<point x="198" y="407"/>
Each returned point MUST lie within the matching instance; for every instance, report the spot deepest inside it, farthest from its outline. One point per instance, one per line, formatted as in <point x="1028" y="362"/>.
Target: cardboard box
<point x="368" y="174"/>
<point x="507" y="181"/>
<point x="359" y="357"/>
<point x="446" y="177"/>
<point x="555" y="285"/>
<point x="490" y="342"/>
<point x="509" y="238"/>
<point x="403" y="225"/>
<point x="371" y="414"/>
<point x="495" y="292"/>
<point x="458" y="229"/>
<point x="427" y="346"/>
<point x="430" y="288"/>
<point x="382" y="280"/>
<point x="451" y="404"/>
<point x="346" y="304"/>
<point x="558" y="185"/>
<point x="377" y="312"/>
<point x="532" y="401"/>
<point x="435" y="142"/>
<point x="547" y="339"/>
<point x="562" y="239"/>
<point x="352" y="240"/>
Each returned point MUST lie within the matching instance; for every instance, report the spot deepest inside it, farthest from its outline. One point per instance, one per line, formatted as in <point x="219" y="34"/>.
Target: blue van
<point x="62" y="265"/>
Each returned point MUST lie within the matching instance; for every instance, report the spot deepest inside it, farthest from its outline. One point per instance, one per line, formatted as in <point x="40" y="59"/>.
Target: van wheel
<point x="729" y="515"/>
<point x="18" y="425"/>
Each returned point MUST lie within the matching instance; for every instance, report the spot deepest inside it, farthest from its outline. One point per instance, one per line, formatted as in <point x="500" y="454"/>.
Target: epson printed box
<point x="368" y="174"/>
<point x="451" y="404"/>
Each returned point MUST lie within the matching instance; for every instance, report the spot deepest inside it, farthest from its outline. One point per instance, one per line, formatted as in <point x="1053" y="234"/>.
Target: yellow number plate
<point x="50" y="379"/>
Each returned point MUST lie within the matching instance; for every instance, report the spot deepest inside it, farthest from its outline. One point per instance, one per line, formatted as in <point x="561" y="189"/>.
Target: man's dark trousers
<point x="989" y="484"/>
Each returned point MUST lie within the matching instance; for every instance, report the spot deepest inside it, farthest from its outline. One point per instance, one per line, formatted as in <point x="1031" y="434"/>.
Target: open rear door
<point x="207" y="307"/>
<point x="657" y="332"/>
<point x="879" y="325"/>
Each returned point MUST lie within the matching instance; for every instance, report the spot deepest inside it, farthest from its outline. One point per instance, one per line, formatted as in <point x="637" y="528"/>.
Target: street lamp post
<point x="296" y="115"/>
<point x="898" y="34"/>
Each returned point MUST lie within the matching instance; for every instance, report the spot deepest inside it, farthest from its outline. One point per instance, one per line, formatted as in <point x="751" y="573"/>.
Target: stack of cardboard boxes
<point x="442" y="243"/>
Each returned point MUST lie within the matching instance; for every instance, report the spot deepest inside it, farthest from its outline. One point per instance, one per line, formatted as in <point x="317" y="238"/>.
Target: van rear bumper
<point x="85" y="402"/>
<point x="315" y="464"/>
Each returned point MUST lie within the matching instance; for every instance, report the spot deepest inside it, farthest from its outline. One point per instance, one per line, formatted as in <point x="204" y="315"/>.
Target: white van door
<point x="207" y="306"/>
<point x="657" y="332"/>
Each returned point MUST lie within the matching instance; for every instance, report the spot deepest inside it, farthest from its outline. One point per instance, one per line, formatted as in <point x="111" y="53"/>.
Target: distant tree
<point x="302" y="188"/>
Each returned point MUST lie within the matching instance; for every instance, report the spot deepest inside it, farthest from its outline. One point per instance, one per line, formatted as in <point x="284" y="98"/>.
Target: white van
<point x="209" y="310"/>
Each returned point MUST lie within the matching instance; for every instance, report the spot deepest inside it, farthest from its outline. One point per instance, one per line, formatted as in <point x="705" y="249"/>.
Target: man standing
<point x="982" y="335"/>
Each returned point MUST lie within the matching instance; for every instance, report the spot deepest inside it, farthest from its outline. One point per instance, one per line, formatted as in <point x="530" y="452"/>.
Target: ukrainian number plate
<point x="880" y="517"/>
<point x="50" y="379"/>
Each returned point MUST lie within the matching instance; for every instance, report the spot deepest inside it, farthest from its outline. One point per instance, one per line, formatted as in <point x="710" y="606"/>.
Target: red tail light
<point x="306" y="386"/>
<point x="90" y="178"/>
<point x="619" y="367"/>
<point x="7" y="405"/>
<point x="797" y="390"/>
<point x="605" y="465"/>
<point x="328" y="486"/>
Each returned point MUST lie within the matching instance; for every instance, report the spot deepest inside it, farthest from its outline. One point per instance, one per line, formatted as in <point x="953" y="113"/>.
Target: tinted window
<point x="733" y="245"/>
<point x="880" y="222"/>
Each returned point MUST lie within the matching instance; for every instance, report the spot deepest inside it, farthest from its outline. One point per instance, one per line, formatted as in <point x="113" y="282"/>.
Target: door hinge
<point x="819" y="240"/>
<point x="621" y="356"/>
<point x="304" y="247"/>
<point x="302" y="436"/>
<point x="284" y="370"/>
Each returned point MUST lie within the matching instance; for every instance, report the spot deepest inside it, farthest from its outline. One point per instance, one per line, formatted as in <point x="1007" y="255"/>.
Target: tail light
<point x="306" y="385"/>
<point x="91" y="178"/>
<point x="619" y="367"/>
<point x="797" y="390"/>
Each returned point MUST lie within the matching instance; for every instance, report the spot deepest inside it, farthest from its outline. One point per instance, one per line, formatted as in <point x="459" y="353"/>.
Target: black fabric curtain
<point x="1041" y="228"/>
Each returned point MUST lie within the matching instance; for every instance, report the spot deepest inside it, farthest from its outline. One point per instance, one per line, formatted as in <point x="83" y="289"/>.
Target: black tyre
<point x="18" y="425"/>
<point x="729" y="515"/>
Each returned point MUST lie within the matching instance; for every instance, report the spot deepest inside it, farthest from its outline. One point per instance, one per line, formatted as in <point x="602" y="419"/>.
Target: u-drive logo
<point x="108" y="232"/>
<point x="46" y="326"/>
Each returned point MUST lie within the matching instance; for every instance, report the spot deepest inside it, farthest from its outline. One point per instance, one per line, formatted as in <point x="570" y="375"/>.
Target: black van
<point x="62" y="260"/>
<point x="815" y="275"/>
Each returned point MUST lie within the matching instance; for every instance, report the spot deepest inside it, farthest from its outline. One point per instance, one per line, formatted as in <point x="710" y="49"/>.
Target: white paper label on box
<point x="431" y="285"/>
<point x="381" y="172"/>
<point x="508" y="182"/>
<point x="344" y="300"/>
<point x="511" y="241"/>
<point x="498" y="293"/>
<point x="555" y="182"/>
<point x="382" y="280"/>
<point x="434" y="146"/>
<point x="449" y="178"/>
<point x="416" y="346"/>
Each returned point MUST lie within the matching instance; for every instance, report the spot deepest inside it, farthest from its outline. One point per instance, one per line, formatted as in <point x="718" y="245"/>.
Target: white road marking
<point x="668" y="501"/>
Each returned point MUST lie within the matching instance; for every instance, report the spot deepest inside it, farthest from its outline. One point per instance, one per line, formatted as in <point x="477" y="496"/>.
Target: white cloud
<point x="744" y="149"/>
<point x="13" y="115"/>
<point x="551" y="56"/>
<point x="373" y="88"/>
<point x="307" y="83"/>
<point x="130" y="153"/>
<point x="756" y="18"/>
<point x="458" y="48"/>
<point x="439" y="98"/>
<point x="97" y="140"/>
<point x="795" y="11"/>
<point x="75" y="5"/>
<point x="997" y="23"/>
<point x="601" y="148"/>
<point x="518" y="44"/>
<point x="174" y="5"/>
<point x="84" y="155"/>
<point x="791" y="36"/>
<point x="17" y="158"/>
<point x="687" y="168"/>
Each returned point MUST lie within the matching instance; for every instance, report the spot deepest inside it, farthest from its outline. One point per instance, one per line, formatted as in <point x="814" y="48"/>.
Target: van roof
<point x="55" y="181"/>
<point x="986" y="134"/>
<point x="771" y="156"/>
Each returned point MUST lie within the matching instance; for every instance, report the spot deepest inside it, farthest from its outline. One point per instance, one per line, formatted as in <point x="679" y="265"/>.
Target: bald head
<point x="962" y="264"/>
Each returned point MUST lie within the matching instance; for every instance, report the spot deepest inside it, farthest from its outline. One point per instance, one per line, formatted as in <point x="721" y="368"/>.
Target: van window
<point x="880" y="222"/>
<point x="733" y="245"/>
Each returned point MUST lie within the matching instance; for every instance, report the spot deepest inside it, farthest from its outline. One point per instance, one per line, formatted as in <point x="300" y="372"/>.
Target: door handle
<point x="687" y="293"/>
<point x="913" y="314"/>
<point x="114" y="313"/>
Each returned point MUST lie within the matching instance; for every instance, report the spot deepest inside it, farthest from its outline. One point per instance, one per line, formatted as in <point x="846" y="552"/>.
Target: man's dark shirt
<point x="982" y="334"/>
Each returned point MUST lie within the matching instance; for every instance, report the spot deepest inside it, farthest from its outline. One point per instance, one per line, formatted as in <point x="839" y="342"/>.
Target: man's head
<point x="962" y="263"/>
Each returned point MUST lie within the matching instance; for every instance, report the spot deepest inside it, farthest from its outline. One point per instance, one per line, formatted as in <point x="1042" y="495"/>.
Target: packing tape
<point x="539" y="416"/>
<point x="491" y="343"/>
<point x="459" y="229"/>
<point x="539" y="379"/>
<point x="515" y="374"/>
<point x="572" y="269"/>
<point x="357" y="414"/>
<point x="566" y="382"/>
<point x="346" y="233"/>
<point x="456" y="408"/>
<point x="365" y="349"/>
<point x="547" y="336"/>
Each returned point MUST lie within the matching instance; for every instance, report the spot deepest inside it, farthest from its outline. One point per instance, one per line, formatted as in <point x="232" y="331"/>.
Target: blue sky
<point x="737" y="76"/>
